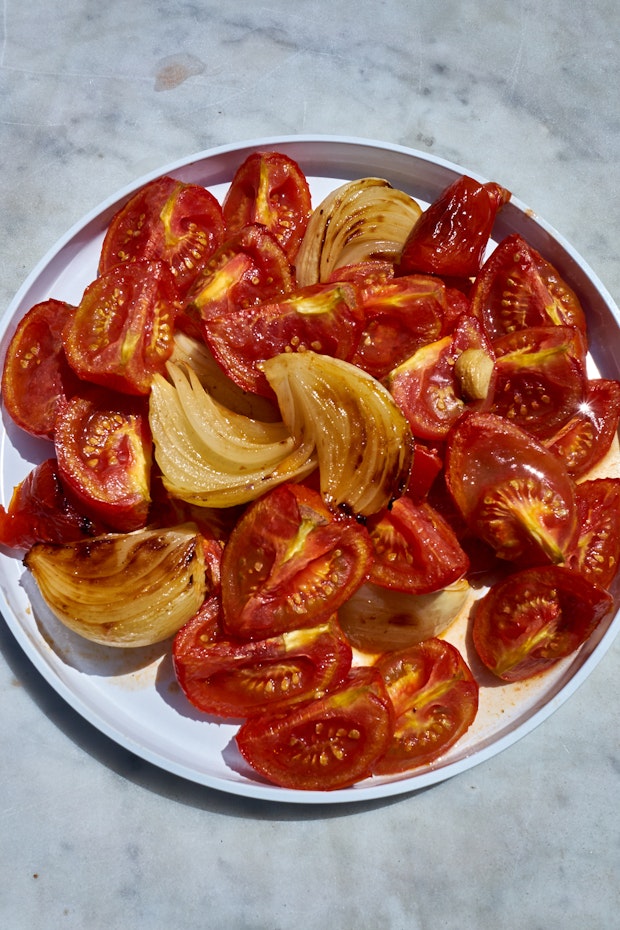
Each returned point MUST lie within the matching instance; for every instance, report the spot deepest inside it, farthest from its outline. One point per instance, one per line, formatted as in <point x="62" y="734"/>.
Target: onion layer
<point x="129" y="589"/>
<point x="363" y="441"/>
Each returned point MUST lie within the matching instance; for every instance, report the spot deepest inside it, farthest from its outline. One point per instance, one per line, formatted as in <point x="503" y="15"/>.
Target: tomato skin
<point x="244" y="678"/>
<point x="249" y="268"/>
<point x="270" y="189"/>
<point x="326" y="744"/>
<point x="122" y="332"/>
<point x="104" y="451"/>
<point x="584" y="440"/>
<point x="323" y="317"/>
<point x="168" y="220"/>
<point x="415" y="549"/>
<point x="517" y="288"/>
<point x="290" y="563"/>
<point x="511" y="491"/>
<point x="540" y="377"/>
<point x="40" y="511"/>
<point x="435" y="699"/>
<point x="596" y="554"/>
<point x="427" y="466"/>
<point x="36" y="376"/>
<point x="450" y="237"/>
<point x="533" y="618"/>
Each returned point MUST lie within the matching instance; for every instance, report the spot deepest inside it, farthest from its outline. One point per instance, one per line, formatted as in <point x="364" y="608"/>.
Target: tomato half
<point x="586" y="437"/>
<point x="512" y="492"/>
<point x="517" y="288"/>
<point x="325" y="744"/>
<point x="270" y="188"/>
<point x="103" y="448"/>
<point x="597" y="551"/>
<point x="540" y="377"/>
<point x="40" y="511"/>
<point x="240" y="678"/>
<point x="250" y="268"/>
<point x="36" y="376"/>
<point x="168" y="220"/>
<point x="290" y="563"/>
<point x="415" y="549"/>
<point x="325" y="318"/>
<point x="450" y="237"/>
<point x="122" y="332"/>
<point x="533" y="618"/>
<point x="435" y="699"/>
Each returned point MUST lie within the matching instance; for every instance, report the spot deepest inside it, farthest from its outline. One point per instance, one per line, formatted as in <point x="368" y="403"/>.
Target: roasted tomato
<point x="436" y="385"/>
<point x="250" y="268"/>
<point x="450" y="237"/>
<point x="243" y="678"/>
<point x="290" y="563"/>
<point x="533" y="618"/>
<point x="369" y="277"/>
<point x="540" y="377"/>
<point x="103" y="447"/>
<point x="36" y="375"/>
<point x="512" y="492"/>
<point x="517" y="288"/>
<point x="428" y="463"/>
<point x="400" y="316"/>
<point x="181" y="224"/>
<point x="270" y="188"/>
<point x="586" y="438"/>
<point x="435" y="699"/>
<point x="325" y="318"/>
<point x="325" y="744"/>
<point x="415" y="549"/>
<point x="122" y="332"/>
<point x="597" y="552"/>
<point x="40" y="511"/>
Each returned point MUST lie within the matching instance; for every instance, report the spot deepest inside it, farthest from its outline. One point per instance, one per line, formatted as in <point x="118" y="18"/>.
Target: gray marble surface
<point x="95" y="95"/>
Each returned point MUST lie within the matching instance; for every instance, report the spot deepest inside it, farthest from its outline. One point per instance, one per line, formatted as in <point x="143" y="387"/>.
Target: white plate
<point x="131" y="695"/>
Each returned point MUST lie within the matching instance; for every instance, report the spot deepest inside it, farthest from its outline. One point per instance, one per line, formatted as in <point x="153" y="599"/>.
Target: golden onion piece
<point x="363" y="442"/>
<point x="360" y="220"/>
<point x="213" y="457"/>
<point x="377" y="619"/>
<point x="128" y="589"/>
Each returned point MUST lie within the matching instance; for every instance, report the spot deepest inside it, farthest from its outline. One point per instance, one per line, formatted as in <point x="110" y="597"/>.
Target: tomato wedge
<point x="325" y="744"/>
<point x="597" y="551"/>
<point x="122" y="332"/>
<point x="512" y="492"/>
<point x="586" y="438"/>
<point x="325" y="318"/>
<point x="168" y="220"/>
<point x="240" y="678"/>
<point x="517" y="288"/>
<point x="103" y="448"/>
<point x="533" y="618"/>
<point x="290" y="563"/>
<point x="450" y="237"/>
<point x="415" y="549"/>
<point x="540" y="377"/>
<point x="270" y="188"/>
<point x="40" y="511"/>
<point x="36" y="376"/>
<point x="435" y="699"/>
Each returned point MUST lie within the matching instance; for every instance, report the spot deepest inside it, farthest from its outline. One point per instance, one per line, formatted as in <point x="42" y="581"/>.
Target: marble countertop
<point x="93" y="96"/>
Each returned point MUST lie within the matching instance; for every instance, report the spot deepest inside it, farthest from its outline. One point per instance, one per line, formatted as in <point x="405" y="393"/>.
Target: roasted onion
<point x="127" y="589"/>
<point x="213" y="457"/>
<point x="360" y="220"/>
<point x="363" y="442"/>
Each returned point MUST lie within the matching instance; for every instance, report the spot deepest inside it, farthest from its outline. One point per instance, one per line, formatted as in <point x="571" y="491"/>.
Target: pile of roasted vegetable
<point x="300" y="443"/>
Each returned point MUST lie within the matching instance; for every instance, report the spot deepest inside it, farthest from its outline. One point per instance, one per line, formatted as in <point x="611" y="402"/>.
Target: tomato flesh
<point x="597" y="551"/>
<point x="584" y="440"/>
<point x="326" y="744"/>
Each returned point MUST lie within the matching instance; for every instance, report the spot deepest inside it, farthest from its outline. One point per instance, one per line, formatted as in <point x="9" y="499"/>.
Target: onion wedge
<point x="363" y="441"/>
<point x="360" y="220"/>
<point x="123" y="589"/>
